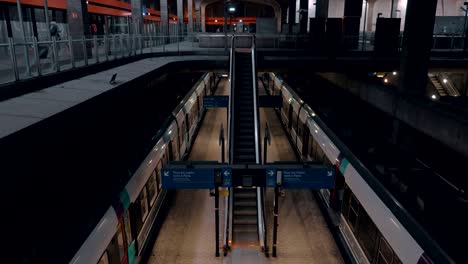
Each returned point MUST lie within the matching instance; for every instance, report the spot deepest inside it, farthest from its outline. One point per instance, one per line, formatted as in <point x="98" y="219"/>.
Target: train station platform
<point x="188" y="233"/>
<point x="25" y="110"/>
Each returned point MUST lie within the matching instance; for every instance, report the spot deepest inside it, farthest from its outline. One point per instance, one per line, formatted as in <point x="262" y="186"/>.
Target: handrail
<point x="260" y="196"/>
<point x="231" y="102"/>
<point x="448" y="85"/>
<point x="229" y="199"/>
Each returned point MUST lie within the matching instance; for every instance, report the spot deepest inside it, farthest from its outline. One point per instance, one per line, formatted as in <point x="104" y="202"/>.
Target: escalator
<point x="247" y="217"/>
<point x="244" y="123"/>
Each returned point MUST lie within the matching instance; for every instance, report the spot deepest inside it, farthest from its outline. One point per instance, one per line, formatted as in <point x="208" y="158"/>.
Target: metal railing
<point x="27" y="58"/>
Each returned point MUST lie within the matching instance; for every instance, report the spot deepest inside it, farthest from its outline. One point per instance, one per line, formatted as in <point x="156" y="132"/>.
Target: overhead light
<point x="385" y="80"/>
<point x="434" y="97"/>
<point x="313" y="114"/>
<point x="394" y="73"/>
<point x="216" y="20"/>
<point x="240" y="20"/>
<point x="232" y="9"/>
<point x="445" y="80"/>
<point x="224" y="75"/>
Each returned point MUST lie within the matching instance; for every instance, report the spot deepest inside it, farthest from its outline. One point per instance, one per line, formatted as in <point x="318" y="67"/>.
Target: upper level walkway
<point x="29" y="60"/>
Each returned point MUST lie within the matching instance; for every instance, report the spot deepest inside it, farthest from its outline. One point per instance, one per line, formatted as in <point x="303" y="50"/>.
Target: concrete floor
<point x="188" y="234"/>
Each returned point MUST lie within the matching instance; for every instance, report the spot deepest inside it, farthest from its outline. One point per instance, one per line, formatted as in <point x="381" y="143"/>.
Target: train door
<point x="198" y="107"/>
<point x="170" y="150"/>
<point x="116" y="251"/>
<point x="290" y="116"/>
<point x="305" y="140"/>
<point x="182" y="136"/>
<point x="187" y="130"/>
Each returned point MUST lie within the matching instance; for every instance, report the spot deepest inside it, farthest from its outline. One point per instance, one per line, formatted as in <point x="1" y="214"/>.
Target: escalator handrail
<point x="231" y="102"/>
<point x="260" y="197"/>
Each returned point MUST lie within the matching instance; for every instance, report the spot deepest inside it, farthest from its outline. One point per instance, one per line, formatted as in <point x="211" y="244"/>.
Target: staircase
<point x="244" y="222"/>
<point x="437" y="85"/>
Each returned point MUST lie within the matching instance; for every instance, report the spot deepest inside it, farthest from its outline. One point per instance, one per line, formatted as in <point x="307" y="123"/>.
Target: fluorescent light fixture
<point x="224" y="75"/>
<point x="232" y="9"/>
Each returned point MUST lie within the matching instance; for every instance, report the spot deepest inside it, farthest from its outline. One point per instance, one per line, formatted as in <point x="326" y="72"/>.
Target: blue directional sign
<point x="215" y="101"/>
<point x="227" y="177"/>
<point x="177" y="178"/>
<point x="270" y="177"/>
<point x="308" y="178"/>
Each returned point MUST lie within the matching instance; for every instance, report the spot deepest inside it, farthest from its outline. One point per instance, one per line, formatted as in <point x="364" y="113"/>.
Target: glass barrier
<point x="22" y="60"/>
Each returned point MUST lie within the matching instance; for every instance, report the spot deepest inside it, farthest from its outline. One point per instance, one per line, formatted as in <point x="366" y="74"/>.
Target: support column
<point x="321" y="9"/>
<point x="137" y="17"/>
<point x="291" y="15"/>
<point x="78" y="25"/>
<point x="352" y="20"/>
<point x="370" y="15"/>
<point x="303" y="15"/>
<point x="197" y="16"/>
<point x="164" y="18"/>
<point x="203" y="21"/>
<point x="180" y="16"/>
<point x="284" y="14"/>
<point x="190" y="15"/>
<point x="417" y="44"/>
<point x="197" y="19"/>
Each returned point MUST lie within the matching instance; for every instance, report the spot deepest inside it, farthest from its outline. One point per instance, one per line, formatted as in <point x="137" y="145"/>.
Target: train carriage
<point x="370" y="216"/>
<point x="123" y="232"/>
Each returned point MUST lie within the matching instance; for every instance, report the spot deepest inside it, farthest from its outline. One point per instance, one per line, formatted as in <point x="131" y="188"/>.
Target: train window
<point x="128" y="226"/>
<point x="104" y="259"/>
<point x="353" y="212"/>
<point x="151" y="184"/>
<point x="367" y="235"/>
<point x="158" y="175"/>
<point x="143" y="204"/>
<point x="385" y="253"/>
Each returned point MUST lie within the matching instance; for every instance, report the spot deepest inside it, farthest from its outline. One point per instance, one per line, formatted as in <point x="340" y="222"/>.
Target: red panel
<point x="153" y="12"/>
<point x="153" y="18"/>
<point x="112" y="3"/>
<point x="220" y="20"/>
<point x="107" y="11"/>
<point x="60" y="4"/>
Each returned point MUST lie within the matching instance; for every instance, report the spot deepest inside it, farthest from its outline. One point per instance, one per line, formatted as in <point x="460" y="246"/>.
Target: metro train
<point x="123" y="232"/>
<point x="374" y="226"/>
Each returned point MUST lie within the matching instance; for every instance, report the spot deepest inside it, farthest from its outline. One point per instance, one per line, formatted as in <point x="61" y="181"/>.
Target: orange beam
<point x="153" y="18"/>
<point x="111" y="3"/>
<point x="153" y="12"/>
<point x="60" y="4"/>
<point x="107" y="11"/>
